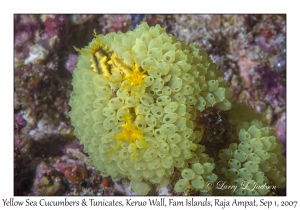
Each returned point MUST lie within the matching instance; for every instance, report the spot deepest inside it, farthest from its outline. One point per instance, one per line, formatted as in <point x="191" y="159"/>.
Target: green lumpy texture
<point x="181" y="185"/>
<point x="254" y="160"/>
<point x="133" y="106"/>
<point x="148" y="76"/>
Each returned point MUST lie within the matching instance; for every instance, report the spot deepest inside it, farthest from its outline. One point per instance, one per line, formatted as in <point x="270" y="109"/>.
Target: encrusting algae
<point x="136" y="101"/>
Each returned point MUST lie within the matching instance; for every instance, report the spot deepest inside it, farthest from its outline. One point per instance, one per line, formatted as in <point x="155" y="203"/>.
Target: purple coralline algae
<point x="271" y="82"/>
<point x="70" y="64"/>
<point x="20" y="122"/>
<point x="115" y="23"/>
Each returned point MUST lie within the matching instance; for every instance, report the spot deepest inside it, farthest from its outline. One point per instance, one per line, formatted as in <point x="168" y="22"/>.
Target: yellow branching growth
<point x="131" y="134"/>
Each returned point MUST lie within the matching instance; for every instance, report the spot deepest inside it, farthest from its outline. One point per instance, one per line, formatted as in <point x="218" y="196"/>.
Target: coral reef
<point x="44" y="60"/>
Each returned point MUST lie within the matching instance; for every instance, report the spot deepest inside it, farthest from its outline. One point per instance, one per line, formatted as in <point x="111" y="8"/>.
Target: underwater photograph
<point x="149" y="104"/>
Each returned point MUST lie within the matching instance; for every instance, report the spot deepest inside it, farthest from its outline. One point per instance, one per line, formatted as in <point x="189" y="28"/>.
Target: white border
<point x="154" y="6"/>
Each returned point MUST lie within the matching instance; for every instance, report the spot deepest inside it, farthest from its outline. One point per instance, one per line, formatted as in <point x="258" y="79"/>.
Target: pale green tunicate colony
<point x="255" y="165"/>
<point x="134" y="103"/>
<point x="177" y="80"/>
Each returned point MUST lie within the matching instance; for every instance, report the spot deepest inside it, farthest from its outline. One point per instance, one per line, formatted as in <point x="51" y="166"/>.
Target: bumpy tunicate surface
<point x="255" y="163"/>
<point x="134" y="103"/>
